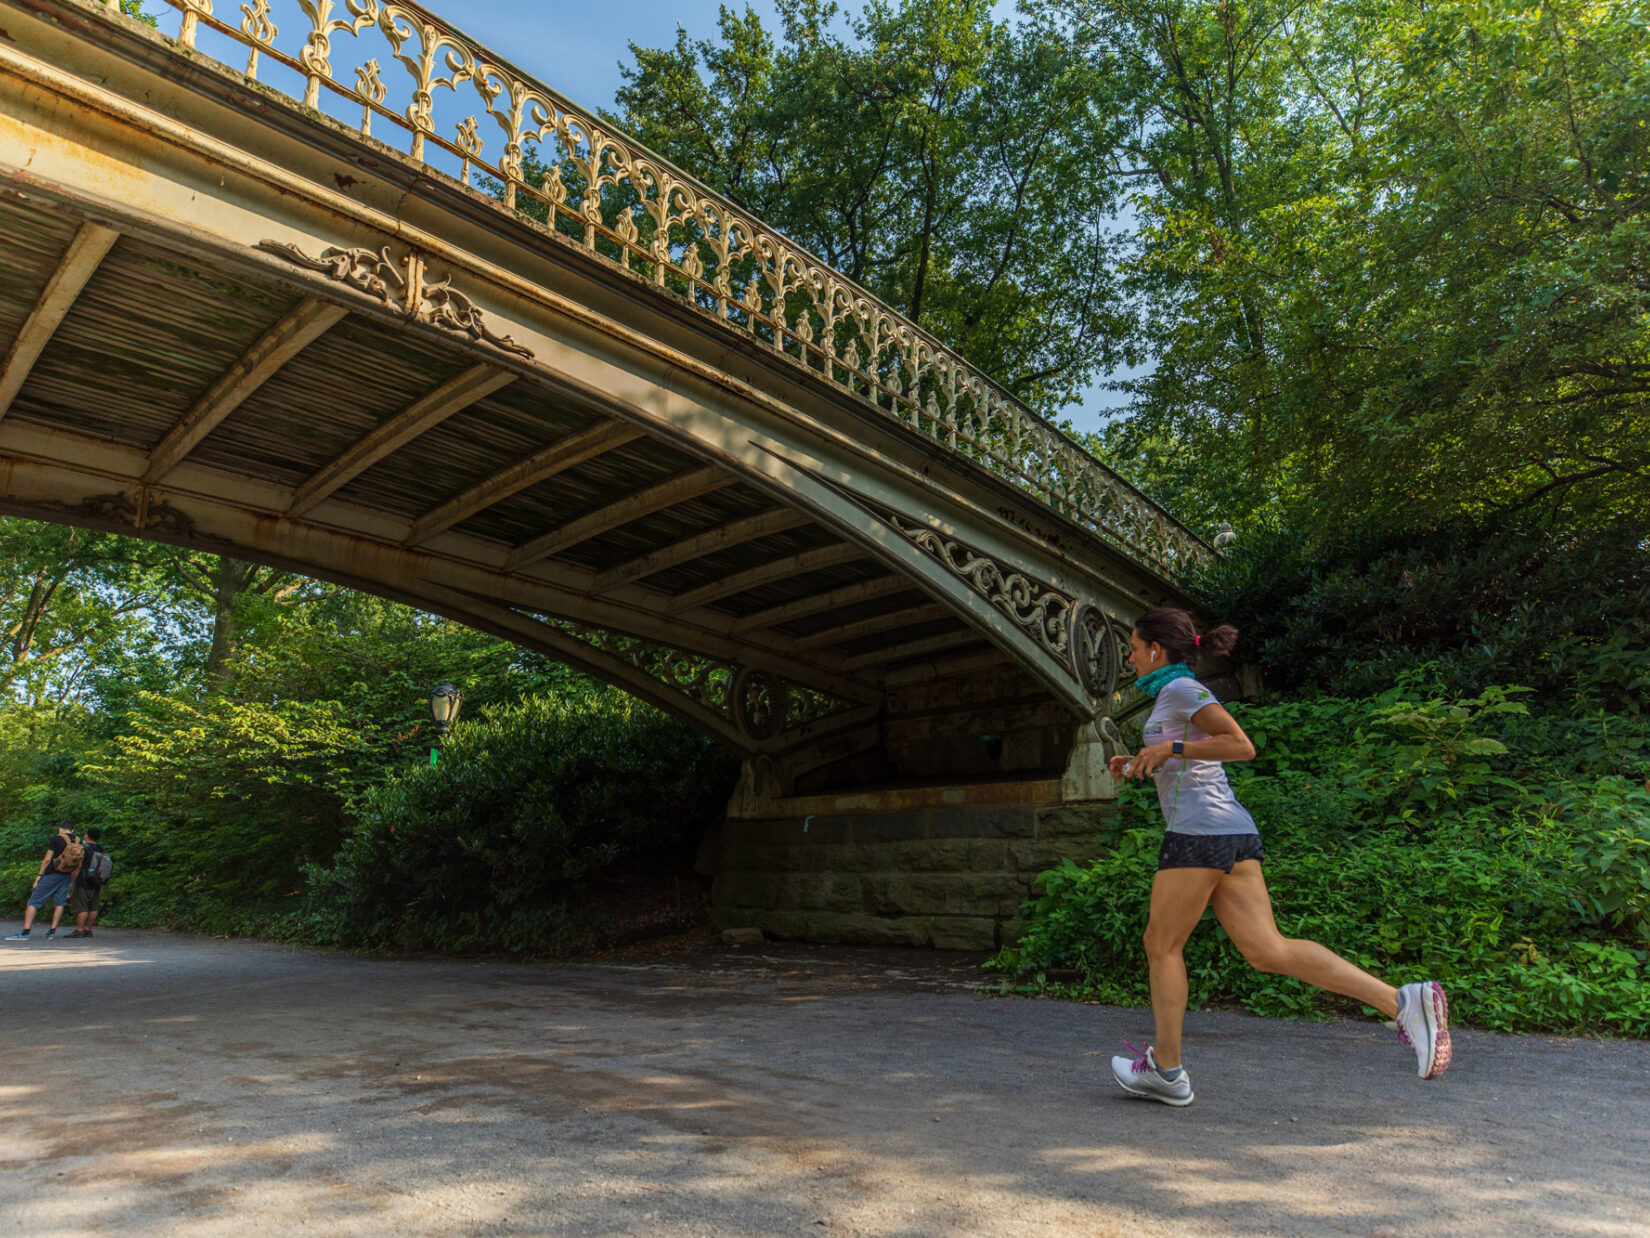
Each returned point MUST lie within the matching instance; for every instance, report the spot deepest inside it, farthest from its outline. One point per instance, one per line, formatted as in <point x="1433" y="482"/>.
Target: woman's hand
<point x="1116" y="764"/>
<point x="1147" y="760"/>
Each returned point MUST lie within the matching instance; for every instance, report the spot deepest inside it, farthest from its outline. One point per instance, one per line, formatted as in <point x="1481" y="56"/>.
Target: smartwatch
<point x="1178" y="748"/>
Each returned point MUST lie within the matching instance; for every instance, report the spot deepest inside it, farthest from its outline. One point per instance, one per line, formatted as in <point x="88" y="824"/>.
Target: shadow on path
<point x="152" y="1083"/>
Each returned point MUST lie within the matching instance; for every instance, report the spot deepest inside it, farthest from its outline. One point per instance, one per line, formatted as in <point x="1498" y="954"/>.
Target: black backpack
<point x="99" y="867"/>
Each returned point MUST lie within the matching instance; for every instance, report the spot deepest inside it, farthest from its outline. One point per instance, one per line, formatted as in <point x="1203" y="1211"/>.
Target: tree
<point x="940" y="159"/>
<point x="223" y="585"/>
<point x="1392" y="261"/>
<point x="71" y="601"/>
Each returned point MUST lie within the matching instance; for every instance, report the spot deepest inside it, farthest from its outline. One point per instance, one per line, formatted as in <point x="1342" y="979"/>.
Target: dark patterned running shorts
<point x="1208" y="850"/>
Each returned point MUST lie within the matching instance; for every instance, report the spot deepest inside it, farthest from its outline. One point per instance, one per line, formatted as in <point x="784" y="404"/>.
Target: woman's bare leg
<point x="1244" y="909"/>
<point x="1179" y="896"/>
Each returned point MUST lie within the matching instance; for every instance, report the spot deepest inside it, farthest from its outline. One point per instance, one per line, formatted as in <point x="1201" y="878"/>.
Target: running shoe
<point x="23" y="936"/>
<point x="50" y="933"/>
<point x="78" y="933"/>
<point x="1423" y="1025"/>
<point x="1138" y="1076"/>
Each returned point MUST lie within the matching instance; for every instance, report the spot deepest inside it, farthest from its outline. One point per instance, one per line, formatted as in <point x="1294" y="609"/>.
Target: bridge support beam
<point x="86" y="251"/>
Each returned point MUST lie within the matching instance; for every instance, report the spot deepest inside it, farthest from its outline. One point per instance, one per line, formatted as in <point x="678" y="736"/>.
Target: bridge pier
<point x="933" y="861"/>
<point x="917" y="866"/>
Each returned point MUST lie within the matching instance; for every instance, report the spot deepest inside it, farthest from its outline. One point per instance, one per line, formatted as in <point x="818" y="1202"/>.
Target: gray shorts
<point x="52" y="888"/>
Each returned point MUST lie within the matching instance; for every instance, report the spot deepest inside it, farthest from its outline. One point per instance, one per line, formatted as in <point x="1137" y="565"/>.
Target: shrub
<point x="1396" y="837"/>
<point x="217" y="805"/>
<point x="44" y="781"/>
<point x="1567" y="615"/>
<point x="482" y="850"/>
<point x="1610" y="824"/>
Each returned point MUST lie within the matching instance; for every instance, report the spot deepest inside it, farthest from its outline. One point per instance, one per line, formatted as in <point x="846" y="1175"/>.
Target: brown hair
<point x="1177" y="633"/>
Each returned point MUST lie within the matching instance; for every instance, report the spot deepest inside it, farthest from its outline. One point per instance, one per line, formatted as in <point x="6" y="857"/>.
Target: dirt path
<point x="160" y="1084"/>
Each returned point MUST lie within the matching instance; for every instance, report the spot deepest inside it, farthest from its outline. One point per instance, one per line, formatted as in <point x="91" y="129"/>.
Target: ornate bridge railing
<point x="553" y="161"/>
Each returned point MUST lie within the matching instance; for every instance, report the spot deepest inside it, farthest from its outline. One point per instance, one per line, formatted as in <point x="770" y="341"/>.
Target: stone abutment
<point x="941" y="867"/>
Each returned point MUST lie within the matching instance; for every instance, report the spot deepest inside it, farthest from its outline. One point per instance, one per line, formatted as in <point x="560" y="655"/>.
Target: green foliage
<point x="1610" y="822"/>
<point x="1391" y="260"/>
<point x="1396" y="837"/>
<point x="378" y="660"/>
<point x="221" y="723"/>
<point x="1387" y="258"/>
<point x="1437" y="762"/>
<point x="41" y="786"/>
<point x="227" y="800"/>
<point x="74" y="607"/>
<point x="1567" y="615"/>
<point x="483" y="849"/>
<point x="954" y="166"/>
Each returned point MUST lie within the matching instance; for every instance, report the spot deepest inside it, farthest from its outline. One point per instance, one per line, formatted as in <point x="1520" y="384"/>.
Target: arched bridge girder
<point x="292" y="352"/>
<point x="704" y="690"/>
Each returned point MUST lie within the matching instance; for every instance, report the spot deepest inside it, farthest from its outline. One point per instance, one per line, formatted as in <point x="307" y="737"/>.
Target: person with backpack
<point x="95" y="870"/>
<point x="51" y="884"/>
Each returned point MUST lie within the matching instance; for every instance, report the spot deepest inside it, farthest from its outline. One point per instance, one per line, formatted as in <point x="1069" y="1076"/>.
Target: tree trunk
<point x="229" y="579"/>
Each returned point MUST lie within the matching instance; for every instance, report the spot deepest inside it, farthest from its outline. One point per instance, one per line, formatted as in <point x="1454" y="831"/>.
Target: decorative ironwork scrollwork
<point x="315" y="58"/>
<point x="379" y="275"/>
<point x="141" y="511"/>
<point x="808" y="705"/>
<point x="372" y="91"/>
<point x="1076" y="633"/>
<point x="1043" y="611"/>
<point x="702" y="680"/>
<point x="625" y="205"/>
<point x="759" y="703"/>
<point x="260" y="32"/>
<point x="193" y="11"/>
<point x="1094" y="652"/>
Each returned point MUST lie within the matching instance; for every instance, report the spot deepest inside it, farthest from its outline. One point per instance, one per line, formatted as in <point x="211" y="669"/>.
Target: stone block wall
<point x="952" y="878"/>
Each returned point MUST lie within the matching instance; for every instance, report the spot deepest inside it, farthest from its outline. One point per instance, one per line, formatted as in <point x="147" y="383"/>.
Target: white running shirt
<point x="1195" y="796"/>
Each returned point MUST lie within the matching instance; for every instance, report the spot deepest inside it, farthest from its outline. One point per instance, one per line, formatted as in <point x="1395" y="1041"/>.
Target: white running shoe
<point x="1138" y="1076"/>
<point x="1423" y="1025"/>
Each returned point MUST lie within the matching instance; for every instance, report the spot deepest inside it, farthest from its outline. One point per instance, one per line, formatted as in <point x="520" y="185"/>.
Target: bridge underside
<point x="373" y="455"/>
<point x="231" y="323"/>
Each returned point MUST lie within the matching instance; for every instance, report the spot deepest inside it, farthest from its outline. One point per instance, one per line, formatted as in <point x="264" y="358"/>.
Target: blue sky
<point x="577" y="48"/>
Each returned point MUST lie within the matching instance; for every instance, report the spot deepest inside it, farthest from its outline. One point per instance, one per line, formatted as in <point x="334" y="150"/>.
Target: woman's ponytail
<point x="1218" y="642"/>
<point x="1177" y="633"/>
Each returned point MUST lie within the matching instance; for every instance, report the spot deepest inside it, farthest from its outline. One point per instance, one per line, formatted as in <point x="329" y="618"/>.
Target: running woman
<point x="1211" y="856"/>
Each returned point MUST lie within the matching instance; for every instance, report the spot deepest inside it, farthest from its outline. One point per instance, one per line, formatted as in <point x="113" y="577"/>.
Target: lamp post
<point x="444" y="702"/>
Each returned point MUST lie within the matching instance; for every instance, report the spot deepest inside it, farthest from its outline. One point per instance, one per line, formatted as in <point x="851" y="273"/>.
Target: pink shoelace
<point x="1141" y="1061"/>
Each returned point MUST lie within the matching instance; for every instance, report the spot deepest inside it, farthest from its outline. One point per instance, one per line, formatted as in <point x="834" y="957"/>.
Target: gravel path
<point x="153" y="1083"/>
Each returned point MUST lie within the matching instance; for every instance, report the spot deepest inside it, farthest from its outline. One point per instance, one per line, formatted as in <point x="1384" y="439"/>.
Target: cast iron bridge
<point x="275" y="284"/>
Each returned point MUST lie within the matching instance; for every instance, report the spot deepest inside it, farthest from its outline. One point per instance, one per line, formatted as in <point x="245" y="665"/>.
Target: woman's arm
<point x="1226" y="742"/>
